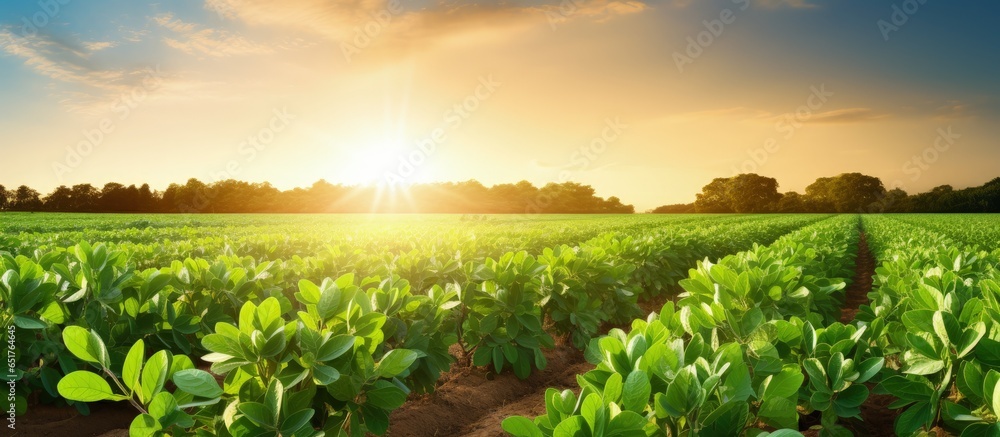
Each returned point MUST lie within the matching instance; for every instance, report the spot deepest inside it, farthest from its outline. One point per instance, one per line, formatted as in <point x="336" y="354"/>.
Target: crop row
<point x="935" y="315"/>
<point x="976" y="231"/>
<point x="752" y="343"/>
<point x="152" y="243"/>
<point x="741" y="363"/>
<point x="338" y="355"/>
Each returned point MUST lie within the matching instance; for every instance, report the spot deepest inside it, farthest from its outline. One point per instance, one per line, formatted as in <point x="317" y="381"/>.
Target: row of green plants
<point x="246" y="354"/>
<point x="156" y="240"/>
<point x="929" y="339"/>
<point x="753" y="343"/>
<point x="935" y="310"/>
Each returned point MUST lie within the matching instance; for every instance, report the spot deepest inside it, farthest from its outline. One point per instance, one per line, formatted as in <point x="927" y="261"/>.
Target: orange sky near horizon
<point x="631" y="97"/>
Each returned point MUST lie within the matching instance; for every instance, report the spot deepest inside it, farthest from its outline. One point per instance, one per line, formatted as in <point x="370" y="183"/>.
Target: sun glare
<point x="369" y="164"/>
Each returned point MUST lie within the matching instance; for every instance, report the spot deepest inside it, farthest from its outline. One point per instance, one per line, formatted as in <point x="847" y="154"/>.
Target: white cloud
<point x="96" y="46"/>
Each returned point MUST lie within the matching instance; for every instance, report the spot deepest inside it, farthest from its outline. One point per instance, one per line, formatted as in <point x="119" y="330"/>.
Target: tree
<point x="26" y="199"/>
<point x="147" y="200"/>
<point x="791" y="202"/>
<point x="112" y="197"/>
<point x="895" y="200"/>
<point x="752" y="193"/>
<point x="85" y="198"/>
<point x="4" y="197"/>
<point x="60" y="200"/>
<point x="819" y="196"/>
<point x="714" y="197"/>
<point x="854" y="192"/>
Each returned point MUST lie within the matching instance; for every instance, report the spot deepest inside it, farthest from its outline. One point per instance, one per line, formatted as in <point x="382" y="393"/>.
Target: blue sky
<point x="212" y="73"/>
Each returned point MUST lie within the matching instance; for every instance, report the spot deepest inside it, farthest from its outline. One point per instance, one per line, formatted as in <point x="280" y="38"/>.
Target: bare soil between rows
<point x="876" y="418"/>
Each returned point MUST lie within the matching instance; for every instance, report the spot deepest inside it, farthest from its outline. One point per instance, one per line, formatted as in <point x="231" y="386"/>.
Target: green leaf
<point x="982" y="430"/>
<point x="970" y="338"/>
<point x="852" y="396"/>
<point x="869" y="368"/>
<point x="988" y="352"/>
<point x="921" y="365"/>
<point x="386" y="396"/>
<point x="913" y="418"/>
<point x="144" y="425"/>
<point x="909" y="389"/>
<point x="335" y="347"/>
<point x="325" y="375"/>
<point x="396" y="362"/>
<point x="164" y="409"/>
<point x="133" y="365"/>
<point x="783" y="385"/>
<point x="613" y="388"/>
<point x="636" y="391"/>
<point x="594" y="413"/>
<point x="573" y="426"/>
<point x="521" y="427"/>
<point x="154" y="375"/>
<point x="274" y="344"/>
<point x="273" y="397"/>
<point x="257" y="413"/>
<point x="84" y="386"/>
<point x="682" y="394"/>
<point x="958" y="413"/>
<point x="86" y="345"/>
<point x="197" y="382"/>
<point x="26" y="322"/>
<point x="728" y="419"/>
<point x="296" y="421"/>
<point x="996" y="399"/>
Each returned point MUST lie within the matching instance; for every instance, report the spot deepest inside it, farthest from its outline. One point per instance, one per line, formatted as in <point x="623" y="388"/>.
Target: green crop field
<point x="530" y="325"/>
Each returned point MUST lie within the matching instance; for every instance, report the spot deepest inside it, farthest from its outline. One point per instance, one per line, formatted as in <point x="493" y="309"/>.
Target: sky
<point x="644" y="100"/>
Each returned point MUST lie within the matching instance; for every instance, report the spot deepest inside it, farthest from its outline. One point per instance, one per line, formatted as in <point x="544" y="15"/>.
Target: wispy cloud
<point x="406" y="29"/>
<point x="96" y="46"/>
<point x="85" y="87"/>
<point x="133" y="35"/>
<point x="192" y="39"/>
<point x="745" y="114"/>
<point x="848" y="115"/>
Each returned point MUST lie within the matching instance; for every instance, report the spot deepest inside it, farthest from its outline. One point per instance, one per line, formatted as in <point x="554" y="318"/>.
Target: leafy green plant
<point x="836" y="381"/>
<point x="141" y="382"/>
<point x="502" y="320"/>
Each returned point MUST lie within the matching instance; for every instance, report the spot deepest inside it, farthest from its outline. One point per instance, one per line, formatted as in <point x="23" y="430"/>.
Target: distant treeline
<point x="231" y="196"/>
<point x="846" y="193"/>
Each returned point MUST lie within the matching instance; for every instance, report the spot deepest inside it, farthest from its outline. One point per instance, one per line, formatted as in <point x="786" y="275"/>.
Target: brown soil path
<point x="861" y="285"/>
<point x="472" y="402"/>
<point x="106" y="419"/>
<point x="479" y="399"/>
<point x="877" y="418"/>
